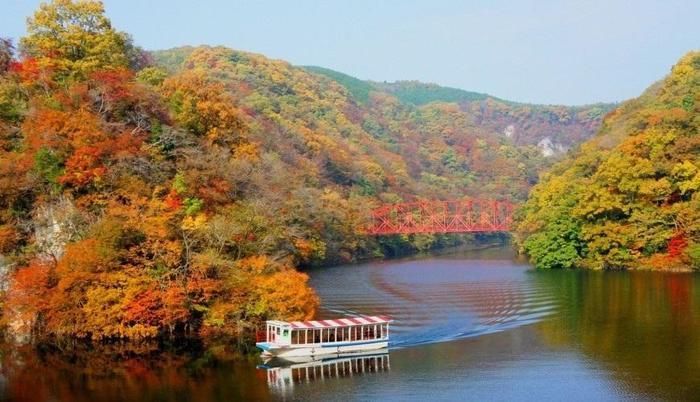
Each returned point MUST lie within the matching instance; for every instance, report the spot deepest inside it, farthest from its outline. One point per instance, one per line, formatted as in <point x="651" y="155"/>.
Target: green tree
<point x="557" y="245"/>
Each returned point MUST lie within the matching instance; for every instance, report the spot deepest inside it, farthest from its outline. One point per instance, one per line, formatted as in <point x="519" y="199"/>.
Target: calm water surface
<point x="476" y="325"/>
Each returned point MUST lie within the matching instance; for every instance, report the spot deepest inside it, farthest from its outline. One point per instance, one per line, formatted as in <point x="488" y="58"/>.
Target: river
<point x="472" y="325"/>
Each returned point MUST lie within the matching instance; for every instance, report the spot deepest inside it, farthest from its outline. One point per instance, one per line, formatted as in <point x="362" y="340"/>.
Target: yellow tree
<point x="202" y="105"/>
<point x="74" y="38"/>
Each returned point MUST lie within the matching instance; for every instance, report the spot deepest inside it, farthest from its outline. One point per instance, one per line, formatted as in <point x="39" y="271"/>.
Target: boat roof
<point x="341" y="322"/>
<point x="338" y="322"/>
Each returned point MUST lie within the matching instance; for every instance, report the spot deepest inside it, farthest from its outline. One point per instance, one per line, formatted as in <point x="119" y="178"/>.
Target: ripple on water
<point x="436" y="300"/>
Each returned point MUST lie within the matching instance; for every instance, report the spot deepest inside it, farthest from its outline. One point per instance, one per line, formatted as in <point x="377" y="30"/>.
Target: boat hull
<point x="321" y="349"/>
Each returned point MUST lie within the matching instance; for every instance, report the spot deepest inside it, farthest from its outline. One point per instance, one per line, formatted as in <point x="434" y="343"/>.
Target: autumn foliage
<point x="630" y="197"/>
<point x="114" y="193"/>
<point x="177" y="192"/>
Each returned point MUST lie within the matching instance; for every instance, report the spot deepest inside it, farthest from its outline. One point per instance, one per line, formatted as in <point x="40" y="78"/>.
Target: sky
<point x="540" y="51"/>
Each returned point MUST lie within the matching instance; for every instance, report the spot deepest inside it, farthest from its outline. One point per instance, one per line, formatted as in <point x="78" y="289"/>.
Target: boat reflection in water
<point x="284" y="374"/>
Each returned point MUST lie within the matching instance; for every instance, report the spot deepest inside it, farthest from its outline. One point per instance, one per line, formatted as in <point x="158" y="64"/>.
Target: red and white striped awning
<point x="342" y="322"/>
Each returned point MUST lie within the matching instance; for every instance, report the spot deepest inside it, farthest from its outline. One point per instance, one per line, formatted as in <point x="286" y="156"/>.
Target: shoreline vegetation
<point x="629" y="198"/>
<point x="180" y="194"/>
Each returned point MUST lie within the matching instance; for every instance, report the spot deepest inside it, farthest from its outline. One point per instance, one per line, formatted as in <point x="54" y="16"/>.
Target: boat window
<point x="295" y="337"/>
<point x="332" y="334"/>
<point x="278" y="330"/>
<point x="285" y="333"/>
<point x="317" y="336"/>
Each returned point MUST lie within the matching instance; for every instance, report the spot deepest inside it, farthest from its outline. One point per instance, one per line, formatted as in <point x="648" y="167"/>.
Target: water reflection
<point x="643" y="327"/>
<point x="283" y="375"/>
<point x="515" y="334"/>
<point x="615" y="334"/>
<point x="141" y="372"/>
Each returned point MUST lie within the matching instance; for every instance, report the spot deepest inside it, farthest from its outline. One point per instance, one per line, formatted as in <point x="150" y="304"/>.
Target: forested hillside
<point x="173" y="193"/>
<point x="383" y="149"/>
<point x="553" y="128"/>
<point x="630" y="197"/>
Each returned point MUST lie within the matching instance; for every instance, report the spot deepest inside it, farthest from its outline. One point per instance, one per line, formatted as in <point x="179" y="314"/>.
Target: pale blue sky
<point x="544" y="51"/>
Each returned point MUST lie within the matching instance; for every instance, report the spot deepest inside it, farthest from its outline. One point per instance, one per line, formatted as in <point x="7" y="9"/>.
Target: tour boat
<point x="323" y="337"/>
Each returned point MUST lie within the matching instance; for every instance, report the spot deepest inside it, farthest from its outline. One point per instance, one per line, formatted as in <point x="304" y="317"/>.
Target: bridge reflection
<point x="283" y="375"/>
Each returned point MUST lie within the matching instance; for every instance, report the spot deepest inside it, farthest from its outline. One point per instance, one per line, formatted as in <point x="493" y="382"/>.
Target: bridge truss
<point x="453" y="216"/>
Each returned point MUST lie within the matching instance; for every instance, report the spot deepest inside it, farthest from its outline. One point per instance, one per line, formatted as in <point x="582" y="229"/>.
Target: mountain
<point x="630" y="196"/>
<point x="141" y="201"/>
<point x="553" y="128"/>
<point x="378" y="147"/>
<point x="359" y="89"/>
<point x="419" y="93"/>
<point x="175" y="193"/>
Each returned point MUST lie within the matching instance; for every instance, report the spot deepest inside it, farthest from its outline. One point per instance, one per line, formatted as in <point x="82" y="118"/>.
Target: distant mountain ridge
<point x="359" y="89"/>
<point x="361" y="138"/>
<point x="553" y="128"/>
<point x="421" y="93"/>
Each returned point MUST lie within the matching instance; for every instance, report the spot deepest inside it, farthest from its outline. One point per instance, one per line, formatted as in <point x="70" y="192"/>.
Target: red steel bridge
<point x="453" y="216"/>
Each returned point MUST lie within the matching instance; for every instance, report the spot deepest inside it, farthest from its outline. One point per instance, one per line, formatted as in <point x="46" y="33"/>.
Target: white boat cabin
<point x="324" y="336"/>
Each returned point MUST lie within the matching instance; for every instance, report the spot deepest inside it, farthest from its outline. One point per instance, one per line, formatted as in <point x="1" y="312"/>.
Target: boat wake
<point x="436" y="300"/>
